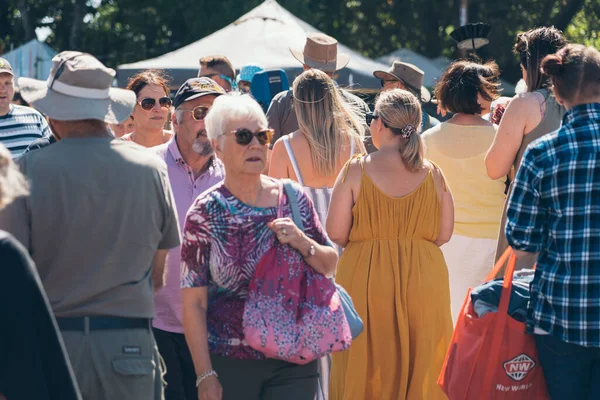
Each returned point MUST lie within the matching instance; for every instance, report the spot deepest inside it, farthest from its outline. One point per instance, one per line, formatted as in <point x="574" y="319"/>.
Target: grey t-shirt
<point x="98" y="211"/>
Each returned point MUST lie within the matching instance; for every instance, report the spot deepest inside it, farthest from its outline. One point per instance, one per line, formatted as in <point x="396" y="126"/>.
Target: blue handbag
<point x="354" y="321"/>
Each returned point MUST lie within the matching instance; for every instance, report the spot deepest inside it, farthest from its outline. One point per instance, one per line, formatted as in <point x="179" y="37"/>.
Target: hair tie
<point x="407" y="131"/>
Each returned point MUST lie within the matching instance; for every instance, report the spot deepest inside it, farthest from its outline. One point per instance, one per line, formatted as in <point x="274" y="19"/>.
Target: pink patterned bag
<point x="293" y="313"/>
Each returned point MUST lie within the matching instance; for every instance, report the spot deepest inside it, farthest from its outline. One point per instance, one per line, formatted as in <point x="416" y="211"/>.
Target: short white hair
<point x="12" y="183"/>
<point x="227" y="108"/>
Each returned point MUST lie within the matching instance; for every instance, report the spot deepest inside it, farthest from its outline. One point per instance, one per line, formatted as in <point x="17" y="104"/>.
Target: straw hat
<point x="79" y="87"/>
<point x="320" y="52"/>
<point x="410" y="75"/>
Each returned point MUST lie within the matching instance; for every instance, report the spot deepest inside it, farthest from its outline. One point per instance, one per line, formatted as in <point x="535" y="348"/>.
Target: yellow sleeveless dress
<point x="398" y="280"/>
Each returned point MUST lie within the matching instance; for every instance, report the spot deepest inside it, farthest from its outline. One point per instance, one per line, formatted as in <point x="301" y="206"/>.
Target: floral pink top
<point x="223" y="241"/>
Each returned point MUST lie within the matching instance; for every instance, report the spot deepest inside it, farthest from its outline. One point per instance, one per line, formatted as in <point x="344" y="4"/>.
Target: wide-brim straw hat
<point x="410" y="75"/>
<point x="79" y="87"/>
<point x="321" y="52"/>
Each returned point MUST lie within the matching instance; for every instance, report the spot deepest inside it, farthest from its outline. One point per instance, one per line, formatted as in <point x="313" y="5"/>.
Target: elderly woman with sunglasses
<point x="227" y="231"/>
<point x="152" y="109"/>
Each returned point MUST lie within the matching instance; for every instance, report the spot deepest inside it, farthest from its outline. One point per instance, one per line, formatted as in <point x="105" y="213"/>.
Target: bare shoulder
<point x="297" y="137"/>
<point x="353" y="170"/>
<point x="437" y="173"/>
<point x="524" y="102"/>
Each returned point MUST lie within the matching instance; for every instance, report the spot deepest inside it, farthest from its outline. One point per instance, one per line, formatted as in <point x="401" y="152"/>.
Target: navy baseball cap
<point x="197" y="87"/>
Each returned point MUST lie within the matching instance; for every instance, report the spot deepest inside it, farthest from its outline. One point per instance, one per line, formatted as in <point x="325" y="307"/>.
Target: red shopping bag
<point x="492" y="357"/>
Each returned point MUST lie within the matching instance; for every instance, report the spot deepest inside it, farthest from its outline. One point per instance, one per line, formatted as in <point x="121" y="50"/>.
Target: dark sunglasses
<point x="370" y="117"/>
<point x="149" y="103"/>
<point x="198" y="113"/>
<point x="384" y="81"/>
<point x="244" y="136"/>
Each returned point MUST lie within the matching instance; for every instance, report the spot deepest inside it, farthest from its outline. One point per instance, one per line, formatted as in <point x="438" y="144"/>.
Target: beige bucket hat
<point x="410" y="75"/>
<point x="321" y="52"/>
<point x="79" y="87"/>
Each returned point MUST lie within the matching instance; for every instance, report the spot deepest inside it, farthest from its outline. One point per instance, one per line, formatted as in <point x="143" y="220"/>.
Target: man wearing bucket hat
<point x="409" y="77"/>
<point x="98" y="223"/>
<point x="19" y="125"/>
<point x="193" y="168"/>
<point x="320" y="52"/>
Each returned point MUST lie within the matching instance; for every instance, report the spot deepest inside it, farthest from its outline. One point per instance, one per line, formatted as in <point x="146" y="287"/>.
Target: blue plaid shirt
<point x="554" y="210"/>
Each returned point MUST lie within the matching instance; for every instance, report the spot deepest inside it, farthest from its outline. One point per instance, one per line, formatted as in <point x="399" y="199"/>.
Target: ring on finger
<point x="283" y="232"/>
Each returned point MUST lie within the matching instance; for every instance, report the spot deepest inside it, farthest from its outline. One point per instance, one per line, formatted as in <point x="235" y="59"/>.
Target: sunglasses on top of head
<point x="244" y="136"/>
<point x="149" y="103"/>
<point x="225" y="78"/>
<point x="198" y="113"/>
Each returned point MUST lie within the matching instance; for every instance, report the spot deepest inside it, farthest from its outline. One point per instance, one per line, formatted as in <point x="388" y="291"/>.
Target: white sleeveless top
<point x="321" y="197"/>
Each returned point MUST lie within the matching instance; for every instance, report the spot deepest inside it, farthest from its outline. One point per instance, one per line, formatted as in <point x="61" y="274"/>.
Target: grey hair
<point x="227" y="108"/>
<point x="178" y="115"/>
<point x="12" y="182"/>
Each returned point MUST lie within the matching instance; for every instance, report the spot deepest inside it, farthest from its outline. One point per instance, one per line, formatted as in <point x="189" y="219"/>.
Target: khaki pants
<point x="116" y="364"/>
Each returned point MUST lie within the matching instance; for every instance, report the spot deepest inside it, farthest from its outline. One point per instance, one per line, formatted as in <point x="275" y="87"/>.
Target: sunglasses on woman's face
<point x="198" y="113"/>
<point x="370" y="117"/>
<point x="244" y="136"/>
<point x="149" y="103"/>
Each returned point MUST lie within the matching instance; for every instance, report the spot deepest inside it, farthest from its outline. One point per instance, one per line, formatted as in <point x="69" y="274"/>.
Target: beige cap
<point x="321" y="52"/>
<point x="79" y="87"/>
<point x="410" y="75"/>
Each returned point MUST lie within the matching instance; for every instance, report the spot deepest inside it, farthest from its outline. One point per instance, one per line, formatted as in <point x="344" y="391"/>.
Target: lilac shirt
<point x="167" y="302"/>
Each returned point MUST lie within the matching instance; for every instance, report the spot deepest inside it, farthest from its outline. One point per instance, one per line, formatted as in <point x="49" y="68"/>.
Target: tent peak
<point x="264" y="18"/>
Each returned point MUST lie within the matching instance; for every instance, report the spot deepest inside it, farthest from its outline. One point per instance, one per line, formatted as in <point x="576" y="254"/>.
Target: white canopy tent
<point x="262" y="36"/>
<point x="31" y="60"/>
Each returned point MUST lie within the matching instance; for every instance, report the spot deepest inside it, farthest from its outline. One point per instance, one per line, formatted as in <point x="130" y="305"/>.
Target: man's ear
<point x="215" y="145"/>
<point x="173" y="118"/>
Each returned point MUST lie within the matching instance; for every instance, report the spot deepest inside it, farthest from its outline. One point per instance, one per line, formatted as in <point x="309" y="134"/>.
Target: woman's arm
<point x="278" y="165"/>
<point x="195" y="304"/>
<point x="339" y="217"/>
<point x="447" y="214"/>
<point x="508" y="139"/>
<point x="324" y="259"/>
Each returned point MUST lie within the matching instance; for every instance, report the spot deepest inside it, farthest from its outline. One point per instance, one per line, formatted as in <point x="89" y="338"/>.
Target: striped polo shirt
<point x="21" y="126"/>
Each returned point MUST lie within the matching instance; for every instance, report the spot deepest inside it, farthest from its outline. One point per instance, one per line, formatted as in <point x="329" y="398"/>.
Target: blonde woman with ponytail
<point x="392" y="211"/>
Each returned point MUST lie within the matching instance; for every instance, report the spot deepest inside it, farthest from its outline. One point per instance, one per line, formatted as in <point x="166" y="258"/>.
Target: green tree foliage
<point x="121" y="31"/>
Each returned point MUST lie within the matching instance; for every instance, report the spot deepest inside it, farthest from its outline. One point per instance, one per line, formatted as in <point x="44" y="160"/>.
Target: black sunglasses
<point x="149" y="103"/>
<point x="370" y="117"/>
<point x="244" y="136"/>
<point x="384" y="81"/>
<point x="198" y="113"/>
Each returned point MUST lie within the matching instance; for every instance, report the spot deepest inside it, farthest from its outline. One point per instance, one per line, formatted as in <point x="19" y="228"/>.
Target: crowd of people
<point x="132" y="221"/>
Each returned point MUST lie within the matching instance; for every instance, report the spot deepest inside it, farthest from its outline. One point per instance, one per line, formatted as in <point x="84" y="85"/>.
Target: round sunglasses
<point x="149" y="103"/>
<point x="244" y="136"/>
<point x="198" y="113"/>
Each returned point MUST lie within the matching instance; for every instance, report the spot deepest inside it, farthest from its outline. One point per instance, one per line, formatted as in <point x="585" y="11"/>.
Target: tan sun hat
<point x="410" y="75"/>
<point x="321" y="52"/>
<point x="79" y="87"/>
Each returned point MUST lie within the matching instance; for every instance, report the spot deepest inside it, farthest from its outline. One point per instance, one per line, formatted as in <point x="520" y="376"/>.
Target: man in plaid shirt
<point x="554" y="210"/>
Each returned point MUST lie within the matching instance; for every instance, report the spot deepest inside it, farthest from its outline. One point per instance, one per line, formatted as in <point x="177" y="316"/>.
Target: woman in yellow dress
<point x="391" y="211"/>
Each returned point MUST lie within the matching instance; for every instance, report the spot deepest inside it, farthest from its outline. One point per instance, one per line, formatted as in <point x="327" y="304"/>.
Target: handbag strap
<point x="501" y="321"/>
<point x="499" y="264"/>
<point x="282" y="196"/>
<point x="293" y="200"/>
